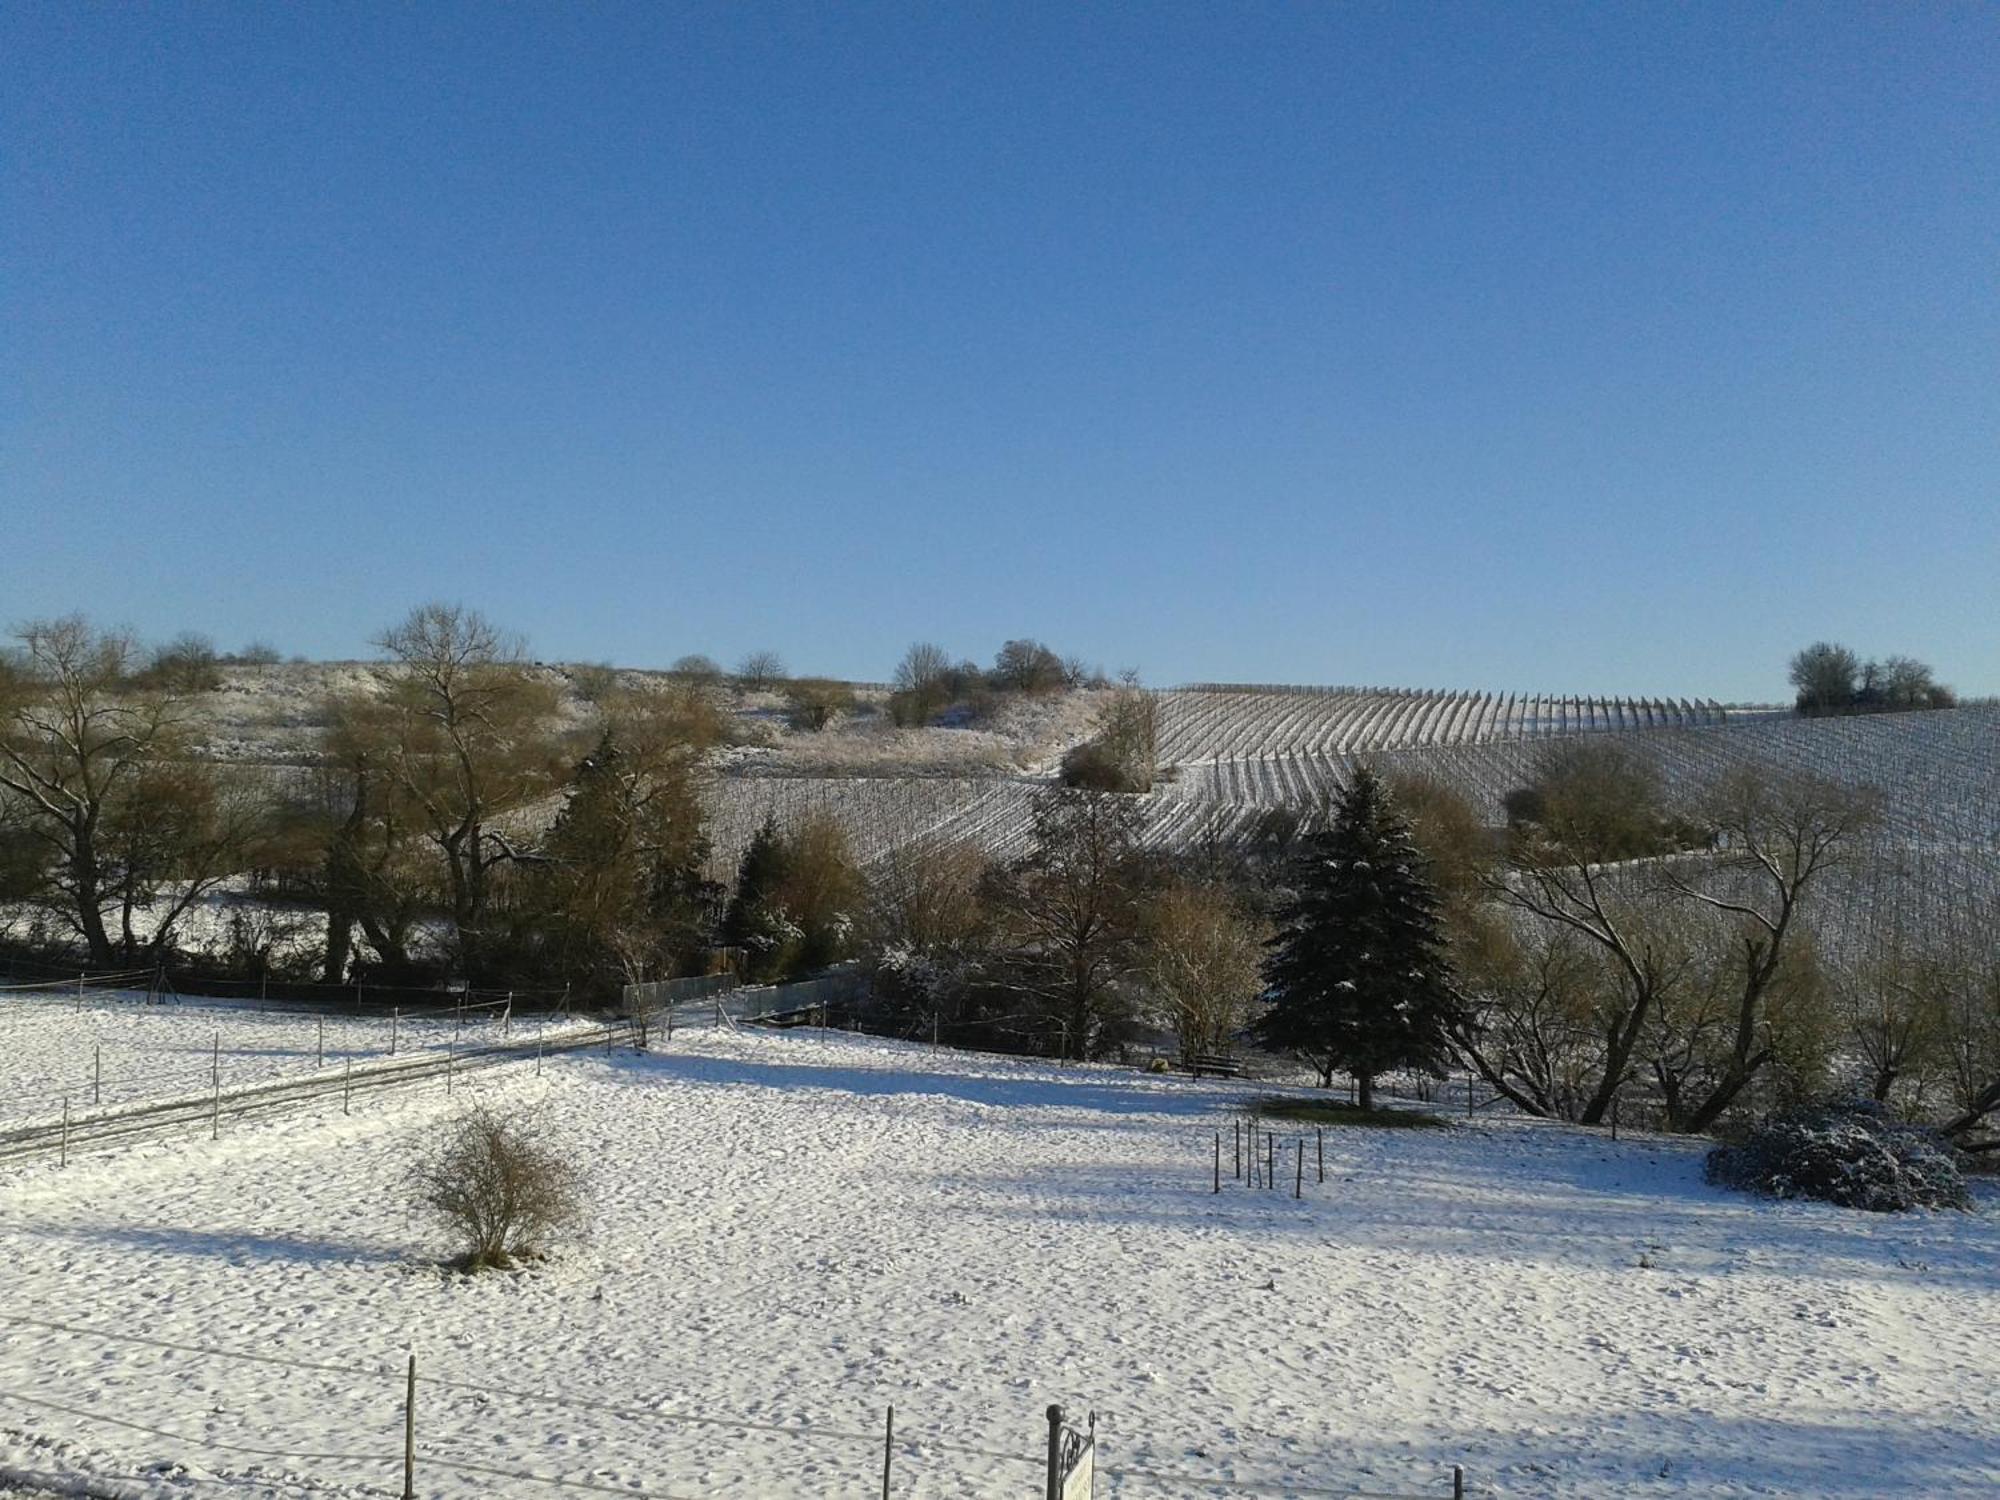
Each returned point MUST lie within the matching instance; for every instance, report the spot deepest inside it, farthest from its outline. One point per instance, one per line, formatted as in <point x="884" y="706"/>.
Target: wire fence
<point x="442" y="1416"/>
<point x="212" y="1050"/>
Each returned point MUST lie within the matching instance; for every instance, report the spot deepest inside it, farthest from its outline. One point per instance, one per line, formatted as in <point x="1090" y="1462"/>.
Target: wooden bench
<point x="1221" y="1067"/>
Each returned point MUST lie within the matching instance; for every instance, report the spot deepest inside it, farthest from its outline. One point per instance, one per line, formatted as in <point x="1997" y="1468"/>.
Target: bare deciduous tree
<point x="761" y="671"/>
<point x="1071" y="909"/>
<point x="1200" y="955"/>
<point x="104" y="785"/>
<point x="469" y="739"/>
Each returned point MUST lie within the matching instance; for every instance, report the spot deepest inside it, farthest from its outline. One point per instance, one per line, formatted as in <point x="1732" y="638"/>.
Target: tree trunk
<point x="89" y="913"/>
<point x="1365" y="1085"/>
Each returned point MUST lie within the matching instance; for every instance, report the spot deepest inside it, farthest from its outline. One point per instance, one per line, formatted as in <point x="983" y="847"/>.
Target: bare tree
<point x="469" y="739"/>
<point x="1070" y="906"/>
<point x="103" y="783"/>
<point x="1778" y="838"/>
<point x="1826" y="677"/>
<point x="1200" y="956"/>
<point x="760" y="671"/>
<point x="923" y="684"/>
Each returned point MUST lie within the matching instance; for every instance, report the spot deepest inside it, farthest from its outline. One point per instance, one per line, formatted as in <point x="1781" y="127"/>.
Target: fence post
<point x="1236" y="1141"/>
<point x="888" y="1449"/>
<point x="1299" y="1178"/>
<point x="215" y="1111"/>
<point x="215" y="1062"/>
<point x="450" y="1061"/>
<point x="395" y="1014"/>
<point x="507" y="1016"/>
<point x="538" y="1054"/>
<point x="1319" y="1138"/>
<point x="1270" y="1160"/>
<point x="1218" y="1161"/>
<point x="1457" y="1483"/>
<point x="410" y="1433"/>
<point x="1054" y="1488"/>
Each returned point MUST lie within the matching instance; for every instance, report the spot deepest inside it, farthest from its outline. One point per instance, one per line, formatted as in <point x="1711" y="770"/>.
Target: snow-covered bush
<point x="1853" y="1155"/>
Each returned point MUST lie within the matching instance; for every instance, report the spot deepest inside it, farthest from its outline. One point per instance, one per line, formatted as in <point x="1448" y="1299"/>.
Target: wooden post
<point x="538" y="1054"/>
<point x="215" y="1062"/>
<point x="1236" y="1143"/>
<point x="410" y="1434"/>
<point x="1218" y="1161"/>
<point x="1054" y="1487"/>
<point x="1319" y="1138"/>
<point x="1457" y="1483"/>
<point x="1270" y="1159"/>
<point x="888" y="1449"/>
<point x="507" y="1016"/>
<point x="1299" y="1177"/>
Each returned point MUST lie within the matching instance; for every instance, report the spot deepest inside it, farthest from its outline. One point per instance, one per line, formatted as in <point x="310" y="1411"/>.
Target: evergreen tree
<point x="1357" y="975"/>
<point x="755" y="915"/>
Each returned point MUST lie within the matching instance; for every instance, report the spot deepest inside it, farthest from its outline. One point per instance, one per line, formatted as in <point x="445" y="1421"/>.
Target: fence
<point x="440" y="1417"/>
<point x="166" y="1110"/>
<point x="657" y="994"/>
<point x="735" y="1001"/>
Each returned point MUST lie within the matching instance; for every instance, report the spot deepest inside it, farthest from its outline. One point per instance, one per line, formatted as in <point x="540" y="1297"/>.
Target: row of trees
<point x="451" y="817"/>
<point x="929" y="683"/>
<point x="1831" y="679"/>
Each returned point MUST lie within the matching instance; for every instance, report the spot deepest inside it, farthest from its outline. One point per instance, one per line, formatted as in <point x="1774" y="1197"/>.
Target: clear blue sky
<point x="1589" y="348"/>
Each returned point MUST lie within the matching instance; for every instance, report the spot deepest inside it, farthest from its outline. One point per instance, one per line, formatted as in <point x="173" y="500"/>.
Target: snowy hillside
<point x="793" y="1231"/>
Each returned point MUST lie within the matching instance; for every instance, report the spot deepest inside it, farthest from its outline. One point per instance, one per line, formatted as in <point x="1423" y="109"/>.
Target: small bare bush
<point x="499" y="1192"/>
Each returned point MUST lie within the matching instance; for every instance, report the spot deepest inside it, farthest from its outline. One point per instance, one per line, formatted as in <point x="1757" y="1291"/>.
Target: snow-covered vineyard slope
<point x="1220" y="722"/>
<point x="790" y="1232"/>
<point x="1939" y="774"/>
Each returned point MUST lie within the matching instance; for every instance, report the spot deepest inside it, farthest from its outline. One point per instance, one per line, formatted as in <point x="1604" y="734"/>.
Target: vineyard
<point x="1234" y="754"/>
<point x="1220" y="721"/>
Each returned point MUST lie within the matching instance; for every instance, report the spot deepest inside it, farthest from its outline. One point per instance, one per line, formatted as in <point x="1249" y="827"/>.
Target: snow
<point x="794" y="1230"/>
<point x="119" y="1049"/>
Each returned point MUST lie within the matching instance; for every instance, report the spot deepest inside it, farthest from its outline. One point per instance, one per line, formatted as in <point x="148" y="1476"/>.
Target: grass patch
<point x="1336" y="1112"/>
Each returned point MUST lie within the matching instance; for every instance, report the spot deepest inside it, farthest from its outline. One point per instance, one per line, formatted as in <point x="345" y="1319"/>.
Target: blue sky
<point x="1585" y="348"/>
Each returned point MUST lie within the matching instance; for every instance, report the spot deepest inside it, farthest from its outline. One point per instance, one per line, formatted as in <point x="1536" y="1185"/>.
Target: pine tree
<point x="1357" y="974"/>
<point x="754" y="911"/>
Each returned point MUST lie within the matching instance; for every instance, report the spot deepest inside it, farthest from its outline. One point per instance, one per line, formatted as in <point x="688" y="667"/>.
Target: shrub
<point x="499" y="1192"/>
<point x="1095" y="767"/>
<point x="1853" y="1155"/>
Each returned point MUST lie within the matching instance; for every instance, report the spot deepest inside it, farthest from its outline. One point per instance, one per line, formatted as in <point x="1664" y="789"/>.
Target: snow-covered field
<point x="116" y="1048"/>
<point x="792" y="1231"/>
